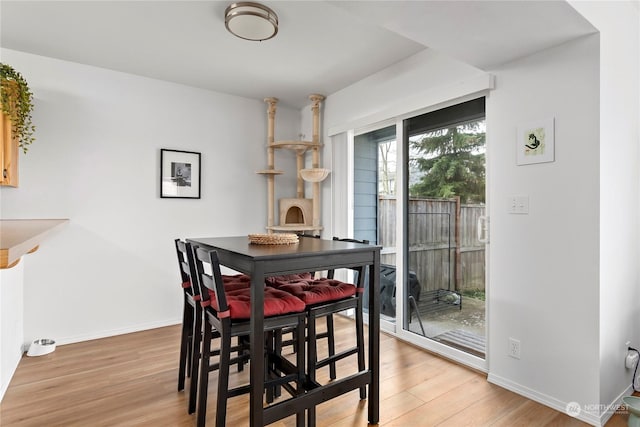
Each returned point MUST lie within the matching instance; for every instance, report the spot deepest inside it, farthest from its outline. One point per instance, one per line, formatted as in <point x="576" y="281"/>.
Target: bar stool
<point x="188" y="312"/>
<point x="228" y="313"/>
<point x="325" y="297"/>
<point x="191" y="334"/>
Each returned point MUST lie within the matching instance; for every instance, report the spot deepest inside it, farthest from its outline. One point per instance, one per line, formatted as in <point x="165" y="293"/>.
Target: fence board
<point x="432" y="245"/>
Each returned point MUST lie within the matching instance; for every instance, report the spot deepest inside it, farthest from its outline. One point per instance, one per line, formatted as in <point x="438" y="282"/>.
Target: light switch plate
<point x="518" y="204"/>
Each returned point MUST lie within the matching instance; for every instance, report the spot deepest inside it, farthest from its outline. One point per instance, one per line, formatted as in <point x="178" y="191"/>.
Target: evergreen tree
<point x="451" y="162"/>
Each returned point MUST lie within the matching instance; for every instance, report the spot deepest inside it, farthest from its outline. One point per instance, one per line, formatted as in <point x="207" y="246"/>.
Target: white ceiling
<point x="321" y="47"/>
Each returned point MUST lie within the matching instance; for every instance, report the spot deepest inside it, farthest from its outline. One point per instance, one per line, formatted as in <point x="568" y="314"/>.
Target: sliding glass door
<point x="444" y="198"/>
<point x="418" y="191"/>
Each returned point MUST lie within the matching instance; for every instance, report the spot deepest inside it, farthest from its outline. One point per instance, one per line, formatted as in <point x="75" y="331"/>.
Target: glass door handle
<point x="483" y="229"/>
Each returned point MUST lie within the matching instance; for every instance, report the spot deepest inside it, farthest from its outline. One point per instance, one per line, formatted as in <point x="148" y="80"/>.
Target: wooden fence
<point x="444" y="250"/>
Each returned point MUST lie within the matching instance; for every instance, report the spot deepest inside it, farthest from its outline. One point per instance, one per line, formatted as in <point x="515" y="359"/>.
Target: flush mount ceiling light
<point x="251" y="21"/>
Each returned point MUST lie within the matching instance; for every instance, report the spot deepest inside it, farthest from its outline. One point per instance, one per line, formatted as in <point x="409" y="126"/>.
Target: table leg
<point x="257" y="365"/>
<point x="374" y="340"/>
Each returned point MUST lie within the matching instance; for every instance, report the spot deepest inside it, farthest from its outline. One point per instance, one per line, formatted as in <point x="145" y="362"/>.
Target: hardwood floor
<point x="131" y="380"/>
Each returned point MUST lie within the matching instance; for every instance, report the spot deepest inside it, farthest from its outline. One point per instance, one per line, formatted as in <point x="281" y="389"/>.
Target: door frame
<point x="396" y="328"/>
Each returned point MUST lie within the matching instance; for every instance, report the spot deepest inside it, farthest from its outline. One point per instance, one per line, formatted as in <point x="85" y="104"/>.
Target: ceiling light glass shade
<point x="251" y="21"/>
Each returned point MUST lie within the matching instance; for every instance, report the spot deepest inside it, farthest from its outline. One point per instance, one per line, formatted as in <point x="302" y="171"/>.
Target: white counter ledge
<point x="22" y="236"/>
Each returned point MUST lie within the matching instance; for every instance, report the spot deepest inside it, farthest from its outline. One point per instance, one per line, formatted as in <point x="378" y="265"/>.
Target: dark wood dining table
<point x="309" y="254"/>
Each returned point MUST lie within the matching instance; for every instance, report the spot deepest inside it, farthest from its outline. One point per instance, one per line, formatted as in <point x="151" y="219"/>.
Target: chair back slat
<point x="314" y="236"/>
<point x="360" y="271"/>
<point x="209" y="281"/>
<point x="187" y="269"/>
<point x="182" y="262"/>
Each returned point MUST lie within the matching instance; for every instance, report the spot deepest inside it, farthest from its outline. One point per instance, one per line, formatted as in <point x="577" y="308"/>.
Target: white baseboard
<point x="613" y="405"/>
<point x="544" y="399"/>
<point x="3" y="390"/>
<point x="112" y="332"/>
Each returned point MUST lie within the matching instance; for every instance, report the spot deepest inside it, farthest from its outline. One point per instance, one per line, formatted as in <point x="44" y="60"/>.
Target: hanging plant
<point x="17" y="102"/>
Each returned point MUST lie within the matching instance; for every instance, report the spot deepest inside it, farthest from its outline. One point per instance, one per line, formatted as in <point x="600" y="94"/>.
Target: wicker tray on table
<point x="273" y="239"/>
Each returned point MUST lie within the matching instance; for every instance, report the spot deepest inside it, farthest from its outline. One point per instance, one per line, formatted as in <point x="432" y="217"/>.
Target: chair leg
<point x="204" y="377"/>
<point x="189" y="350"/>
<point x="277" y="349"/>
<point x="360" y="344"/>
<point x="299" y="343"/>
<point x="311" y="347"/>
<point x="243" y="349"/>
<point x="239" y="354"/>
<point x="195" y="357"/>
<point x="311" y="417"/>
<point x="271" y="344"/>
<point x="223" y="376"/>
<point x="187" y="316"/>
<point x="331" y="342"/>
<point x="311" y="362"/>
<point x="294" y="337"/>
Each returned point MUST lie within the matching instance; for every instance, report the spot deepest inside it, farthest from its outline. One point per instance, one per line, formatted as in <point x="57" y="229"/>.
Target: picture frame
<point x="535" y="142"/>
<point x="179" y="174"/>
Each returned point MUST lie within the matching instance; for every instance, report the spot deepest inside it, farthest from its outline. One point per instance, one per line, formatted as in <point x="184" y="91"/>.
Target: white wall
<point x="425" y="72"/>
<point x="544" y="266"/>
<point x="425" y="75"/>
<point x="11" y="322"/>
<point x="619" y="24"/>
<point x="112" y="269"/>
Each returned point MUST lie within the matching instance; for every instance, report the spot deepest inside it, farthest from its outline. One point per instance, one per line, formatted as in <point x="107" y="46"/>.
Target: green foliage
<point x="452" y="161"/>
<point x="474" y="293"/>
<point x="17" y="102"/>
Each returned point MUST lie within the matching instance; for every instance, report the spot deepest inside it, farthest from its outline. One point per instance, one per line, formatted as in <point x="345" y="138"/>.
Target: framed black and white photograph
<point x="536" y="142"/>
<point x="179" y="174"/>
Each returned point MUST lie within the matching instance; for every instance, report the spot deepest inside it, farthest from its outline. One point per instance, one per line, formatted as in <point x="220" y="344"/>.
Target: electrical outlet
<point x="514" y="348"/>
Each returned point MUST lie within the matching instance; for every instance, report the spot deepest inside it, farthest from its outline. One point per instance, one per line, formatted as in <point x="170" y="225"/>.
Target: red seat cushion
<point x="239" y="277"/>
<point x="276" y="302"/>
<point x="237" y="281"/>
<point x="230" y="283"/>
<point x="273" y="280"/>
<point x="317" y="291"/>
<point x="233" y="281"/>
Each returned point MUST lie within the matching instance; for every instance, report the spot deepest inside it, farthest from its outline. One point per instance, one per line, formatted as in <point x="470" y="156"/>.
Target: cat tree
<point x="298" y="214"/>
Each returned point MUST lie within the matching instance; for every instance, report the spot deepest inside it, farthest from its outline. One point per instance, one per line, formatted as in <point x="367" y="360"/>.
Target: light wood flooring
<point x="131" y="380"/>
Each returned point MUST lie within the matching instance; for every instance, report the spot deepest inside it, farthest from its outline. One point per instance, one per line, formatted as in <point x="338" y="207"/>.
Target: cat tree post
<point x="271" y="114"/>
<point x="315" y="158"/>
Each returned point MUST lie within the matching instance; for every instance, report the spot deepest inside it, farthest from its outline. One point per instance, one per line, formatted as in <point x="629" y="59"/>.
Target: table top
<point x="309" y="254"/>
<point x="309" y="246"/>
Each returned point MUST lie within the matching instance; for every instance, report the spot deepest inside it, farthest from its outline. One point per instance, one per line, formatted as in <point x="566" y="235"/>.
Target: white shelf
<point x="270" y="172"/>
<point x="294" y="227"/>
<point x="295" y="145"/>
<point x="314" y="174"/>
